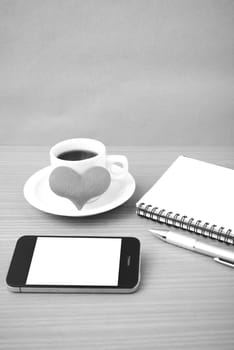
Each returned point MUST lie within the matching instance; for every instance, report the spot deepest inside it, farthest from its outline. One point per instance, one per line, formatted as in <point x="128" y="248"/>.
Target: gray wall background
<point x="126" y="72"/>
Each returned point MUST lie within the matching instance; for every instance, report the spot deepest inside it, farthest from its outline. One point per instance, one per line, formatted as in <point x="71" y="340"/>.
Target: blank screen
<point x="75" y="261"/>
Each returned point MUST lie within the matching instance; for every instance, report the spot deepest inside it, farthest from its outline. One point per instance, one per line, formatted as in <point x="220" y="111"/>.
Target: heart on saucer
<point x="79" y="188"/>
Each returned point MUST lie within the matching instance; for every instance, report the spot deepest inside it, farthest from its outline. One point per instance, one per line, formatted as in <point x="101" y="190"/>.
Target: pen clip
<point x="224" y="262"/>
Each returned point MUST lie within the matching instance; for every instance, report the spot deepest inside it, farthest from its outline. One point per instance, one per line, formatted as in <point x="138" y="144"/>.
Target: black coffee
<point x="77" y="154"/>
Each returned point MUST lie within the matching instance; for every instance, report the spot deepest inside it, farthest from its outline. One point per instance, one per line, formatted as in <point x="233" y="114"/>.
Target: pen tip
<point x="160" y="233"/>
<point x="152" y="231"/>
<point x="159" y="229"/>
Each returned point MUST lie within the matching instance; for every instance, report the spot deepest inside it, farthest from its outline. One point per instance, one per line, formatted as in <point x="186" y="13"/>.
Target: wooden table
<point x="185" y="300"/>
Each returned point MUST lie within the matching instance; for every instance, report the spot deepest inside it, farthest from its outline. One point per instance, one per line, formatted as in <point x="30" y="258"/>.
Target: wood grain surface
<point x="185" y="300"/>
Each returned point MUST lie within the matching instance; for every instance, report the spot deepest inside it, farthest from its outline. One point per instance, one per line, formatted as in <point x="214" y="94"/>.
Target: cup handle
<point x="118" y="166"/>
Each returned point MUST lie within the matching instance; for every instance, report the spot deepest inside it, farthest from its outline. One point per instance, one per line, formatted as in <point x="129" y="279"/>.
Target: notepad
<point x="195" y="196"/>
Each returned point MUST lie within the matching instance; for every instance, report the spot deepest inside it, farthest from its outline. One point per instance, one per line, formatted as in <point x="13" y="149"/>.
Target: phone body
<point x="75" y="264"/>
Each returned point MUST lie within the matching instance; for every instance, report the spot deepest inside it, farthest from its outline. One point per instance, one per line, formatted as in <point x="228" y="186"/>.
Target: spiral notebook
<point x="195" y="196"/>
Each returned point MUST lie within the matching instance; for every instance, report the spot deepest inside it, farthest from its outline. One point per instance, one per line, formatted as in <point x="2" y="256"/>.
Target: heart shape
<point x="66" y="182"/>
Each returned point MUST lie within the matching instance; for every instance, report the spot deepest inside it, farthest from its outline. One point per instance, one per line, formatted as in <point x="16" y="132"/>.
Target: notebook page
<point x="196" y="189"/>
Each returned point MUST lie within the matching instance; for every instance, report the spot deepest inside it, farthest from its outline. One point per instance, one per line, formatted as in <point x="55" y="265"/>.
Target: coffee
<point x="76" y="154"/>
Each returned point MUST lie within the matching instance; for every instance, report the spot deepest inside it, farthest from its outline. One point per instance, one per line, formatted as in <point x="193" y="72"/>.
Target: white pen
<point x="221" y="252"/>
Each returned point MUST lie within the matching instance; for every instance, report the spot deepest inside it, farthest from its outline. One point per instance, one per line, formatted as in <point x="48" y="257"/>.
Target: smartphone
<point x="71" y="264"/>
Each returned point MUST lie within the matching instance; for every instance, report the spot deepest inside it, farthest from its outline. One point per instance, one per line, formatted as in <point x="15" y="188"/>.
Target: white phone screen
<point x="75" y="261"/>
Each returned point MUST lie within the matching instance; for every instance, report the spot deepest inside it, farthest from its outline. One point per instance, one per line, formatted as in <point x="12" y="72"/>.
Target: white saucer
<point x="38" y="193"/>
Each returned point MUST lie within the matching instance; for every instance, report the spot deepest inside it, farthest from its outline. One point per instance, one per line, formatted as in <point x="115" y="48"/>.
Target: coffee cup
<point x="81" y="154"/>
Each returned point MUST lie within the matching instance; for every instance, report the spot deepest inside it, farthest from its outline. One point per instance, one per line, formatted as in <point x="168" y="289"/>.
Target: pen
<point x="221" y="253"/>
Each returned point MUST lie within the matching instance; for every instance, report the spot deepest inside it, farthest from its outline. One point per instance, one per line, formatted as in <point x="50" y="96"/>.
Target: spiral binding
<point x="182" y="221"/>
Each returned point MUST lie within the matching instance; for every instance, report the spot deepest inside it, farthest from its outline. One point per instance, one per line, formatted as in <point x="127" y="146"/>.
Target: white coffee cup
<point x="117" y="165"/>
